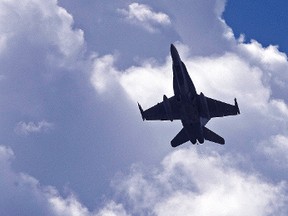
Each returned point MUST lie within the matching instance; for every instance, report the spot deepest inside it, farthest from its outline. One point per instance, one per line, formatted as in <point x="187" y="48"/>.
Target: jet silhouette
<point x="194" y="110"/>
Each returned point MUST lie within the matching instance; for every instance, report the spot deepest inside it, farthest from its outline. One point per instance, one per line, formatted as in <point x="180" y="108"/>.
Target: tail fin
<point x="213" y="137"/>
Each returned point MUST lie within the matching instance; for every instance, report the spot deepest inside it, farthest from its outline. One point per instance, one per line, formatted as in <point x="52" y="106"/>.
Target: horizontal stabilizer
<point x="180" y="138"/>
<point x="213" y="137"/>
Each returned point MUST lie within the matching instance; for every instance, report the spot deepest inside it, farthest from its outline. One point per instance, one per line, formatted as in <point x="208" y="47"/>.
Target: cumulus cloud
<point x="43" y="47"/>
<point x="271" y="61"/>
<point x="45" y="76"/>
<point x="268" y="56"/>
<point x="23" y="128"/>
<point x="22" y="194"/>
<point x="148" y="82"/>
<point x="223" y="77"/>
<point x="40" y="56"/>
<point x="143" y="15"/>
<point x="112" y="209"/>
<point x="189" y="183"/>
<point x="248" y="71"/>
<point x="187" y="180"/>
<point x="104" y="73"/>
<point x="53" y="25"/>
<point x="203" y="184"/>
<point x="276" y="150"/>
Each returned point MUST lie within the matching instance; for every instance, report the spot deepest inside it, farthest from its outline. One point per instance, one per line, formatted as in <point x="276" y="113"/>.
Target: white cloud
<point x="267" y="56"/>
<point x="248" y="72"/>
<point x="189" y="183"/>
<point x="69" y="206"/>
<point x="143" y="15"/>
<point x="276" y="150"/>
<point x="270" y="60"/>
<point x="148" y="82"/>
<point x="53" y="24"/>
<point x="104" y="73"/>
<point x="23" y="128"/>
<point x="22" y="194"/>
<point x="200" y="184"/>
<point x="221" y="77"/>
<point x="199" y="26"/>
<point x="112" y="209"/>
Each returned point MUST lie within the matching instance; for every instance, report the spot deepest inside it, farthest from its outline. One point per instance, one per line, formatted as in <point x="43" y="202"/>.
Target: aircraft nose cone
<point x="172" y="49"/>
<point x="174" y="53"/>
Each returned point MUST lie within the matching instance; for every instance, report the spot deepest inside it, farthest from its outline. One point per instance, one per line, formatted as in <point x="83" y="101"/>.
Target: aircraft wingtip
<point x="236" y="105"/>
<point x="223" y="142"/>
<point x="141" y="111"/>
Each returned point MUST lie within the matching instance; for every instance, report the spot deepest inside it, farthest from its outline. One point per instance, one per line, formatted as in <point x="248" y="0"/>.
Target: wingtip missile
<point x="236" y="105"/>
<point x="141" y="111"/>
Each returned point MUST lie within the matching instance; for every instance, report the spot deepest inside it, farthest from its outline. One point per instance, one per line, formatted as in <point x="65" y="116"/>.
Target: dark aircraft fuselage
<point x="186" y="96"/>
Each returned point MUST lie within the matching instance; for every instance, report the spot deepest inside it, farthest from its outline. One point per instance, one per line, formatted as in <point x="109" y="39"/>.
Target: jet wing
<point x="166" y="110"/>
<point x="219" y="109"/>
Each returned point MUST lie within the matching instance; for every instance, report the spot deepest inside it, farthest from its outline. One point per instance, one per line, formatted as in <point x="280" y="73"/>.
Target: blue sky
<point x="265" y="21"/>
<point x="72" y="138"/>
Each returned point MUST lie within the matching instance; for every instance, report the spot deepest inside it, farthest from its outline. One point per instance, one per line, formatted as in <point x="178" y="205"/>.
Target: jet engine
<point x="201" y="140"/>
<point x="168" y="108"/>
<point x="204" y="106"/>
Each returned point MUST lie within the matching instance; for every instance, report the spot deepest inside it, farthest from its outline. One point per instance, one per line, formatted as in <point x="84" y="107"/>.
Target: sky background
<point x="72" y="141"/>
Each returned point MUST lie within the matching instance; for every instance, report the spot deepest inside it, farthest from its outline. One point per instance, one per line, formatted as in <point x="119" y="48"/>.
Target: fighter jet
<point x="192" y="109"/>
